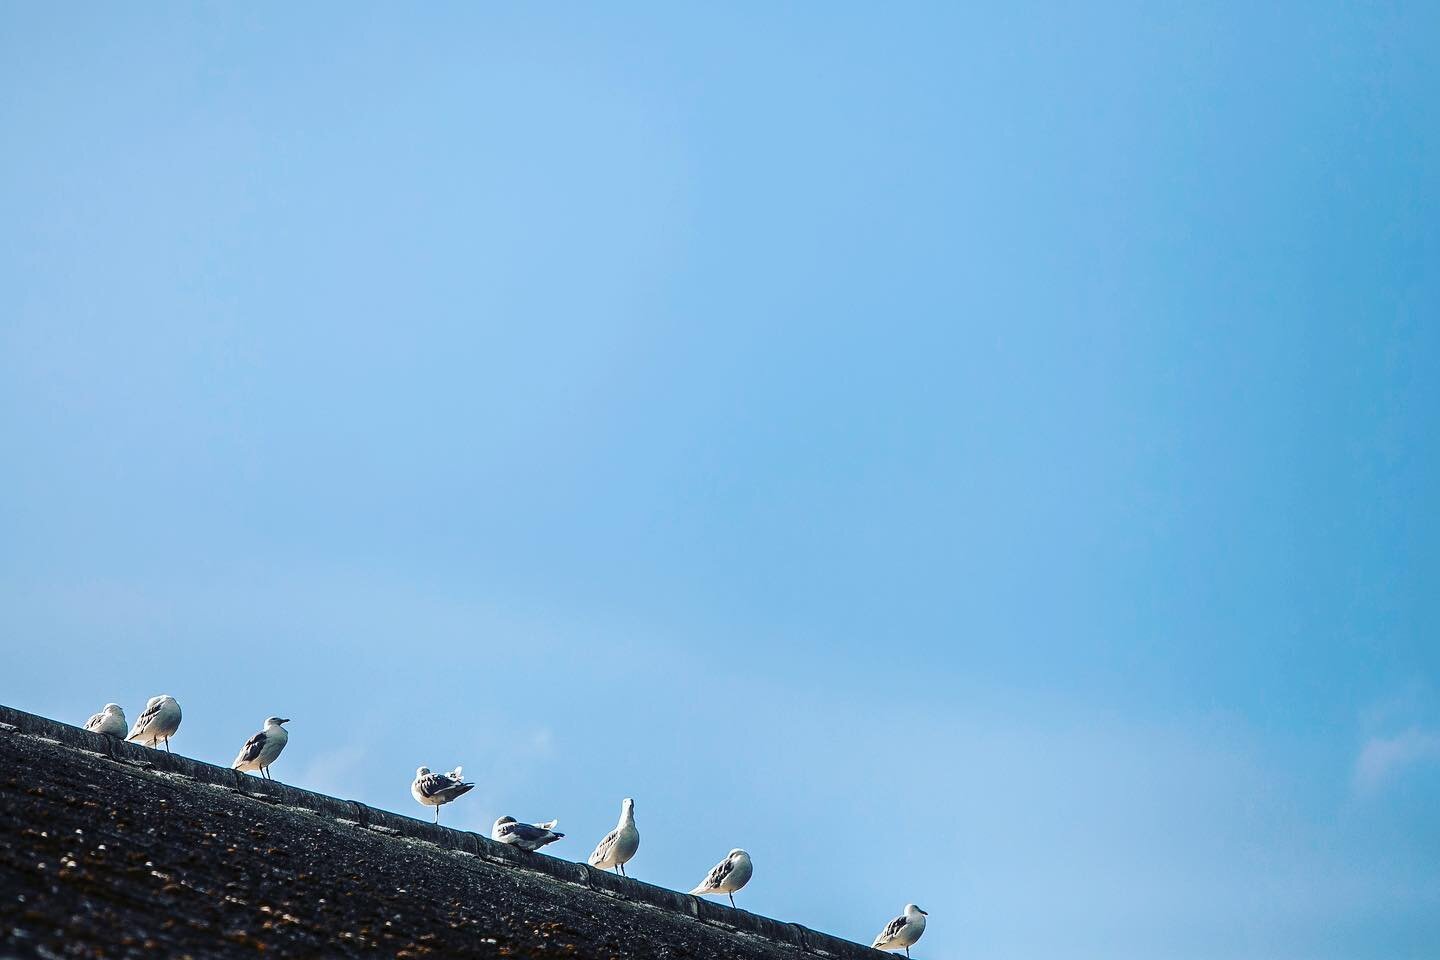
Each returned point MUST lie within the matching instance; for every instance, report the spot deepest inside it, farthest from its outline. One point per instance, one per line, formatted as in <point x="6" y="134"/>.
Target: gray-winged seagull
<point x="261" y="750"/>
<point x="620" y="844"/>
<point x="109" y="721"/>
<point x="727" y="876"/>
<point x="435" y="789"/>
<point x="902" y="932"/>
<point x="159" y="721"/>
<point x="526" y="836"/>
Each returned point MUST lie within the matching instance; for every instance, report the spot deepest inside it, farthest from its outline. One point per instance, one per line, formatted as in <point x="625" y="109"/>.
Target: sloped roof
<point x="112" y="849"/>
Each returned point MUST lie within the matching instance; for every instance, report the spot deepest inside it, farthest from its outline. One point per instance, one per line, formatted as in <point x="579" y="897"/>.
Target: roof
<point x="109" y="848"/>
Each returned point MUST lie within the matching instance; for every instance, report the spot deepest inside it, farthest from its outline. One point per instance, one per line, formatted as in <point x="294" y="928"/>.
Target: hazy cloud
<point x="334" y="772"/>
<point x="1382" y="758"/>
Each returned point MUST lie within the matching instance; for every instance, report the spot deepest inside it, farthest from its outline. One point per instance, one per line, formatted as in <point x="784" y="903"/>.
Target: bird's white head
<point x="504" y="820"/>
<point x="112" y="708"/>
<point x="737" y="852"/>
<point x="421" y="772"/>
<point x="276" y="721"/>
<point x="911" y="909"/>
<point x="627" y="805"/>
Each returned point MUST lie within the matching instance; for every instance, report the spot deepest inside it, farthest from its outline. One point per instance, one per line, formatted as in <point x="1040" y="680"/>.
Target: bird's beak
<point x="286" y="720"/>
<point x="924" y="912"/>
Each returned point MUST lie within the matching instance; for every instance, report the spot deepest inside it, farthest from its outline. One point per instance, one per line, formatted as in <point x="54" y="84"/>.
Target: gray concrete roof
<point x="110" y="848"/>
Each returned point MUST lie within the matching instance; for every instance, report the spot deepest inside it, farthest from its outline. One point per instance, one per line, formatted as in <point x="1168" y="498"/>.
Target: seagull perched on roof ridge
<point x="727" y="876"/>
<point x="620" y="844"/>
<point x="903" y="931"/>
<point x="262" y="749"/>
<point x="434" y="789"/>
<point x="159" y="721"/>
<point x="526" y="836"/>
<point x="110" y="721"/>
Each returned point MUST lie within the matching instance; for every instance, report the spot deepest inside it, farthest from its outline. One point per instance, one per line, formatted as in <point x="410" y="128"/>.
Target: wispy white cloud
<point x="1382" y="759"/>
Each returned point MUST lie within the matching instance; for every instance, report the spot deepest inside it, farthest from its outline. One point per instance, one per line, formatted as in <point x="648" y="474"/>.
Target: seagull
<point x="903" y="931"/>
<point x="110" y="721"/>
<point x="261" y="750"/>
<point x="727" y="876"/>
<point x="526" y="836"/>
<point x="159" y="721"/>
<point x="434" y="789"/>
<point x="620" y="844"/>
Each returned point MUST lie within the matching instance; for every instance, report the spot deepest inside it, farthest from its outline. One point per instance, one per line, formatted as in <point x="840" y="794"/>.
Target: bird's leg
<point x="622" y="869"/>
<point x="907" y="953"/>
<point x="167" y="744"/>
<point x="732" y="899"/>
<point x="437" y="813"/>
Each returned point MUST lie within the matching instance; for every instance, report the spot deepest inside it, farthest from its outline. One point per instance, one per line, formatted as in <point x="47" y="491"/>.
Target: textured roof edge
<point x="394" y="824"/>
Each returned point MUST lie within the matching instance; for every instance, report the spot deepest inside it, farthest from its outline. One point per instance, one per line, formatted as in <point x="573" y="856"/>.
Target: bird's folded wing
<point x="603" y="847"/>
<point x="433" y="783"/>
<point x="892" y="929"/>
<point x="522" y="831"/>
<point x="252" y="748"/>
<point x="721" y="871"/>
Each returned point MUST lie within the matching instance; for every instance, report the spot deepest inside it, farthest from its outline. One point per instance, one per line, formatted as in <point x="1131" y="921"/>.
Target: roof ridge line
<point x="375" y="819"/>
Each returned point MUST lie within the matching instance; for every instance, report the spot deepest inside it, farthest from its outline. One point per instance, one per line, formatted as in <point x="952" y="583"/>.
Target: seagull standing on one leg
<point x="110" y="721"/>
<point x="727" y="876"/>
<point x="159" y="721"/>
<point x="620" y="844"/>
<point x="435" y="789"/>
<point x="903" y="931"/>
<point x="261" y="750"/>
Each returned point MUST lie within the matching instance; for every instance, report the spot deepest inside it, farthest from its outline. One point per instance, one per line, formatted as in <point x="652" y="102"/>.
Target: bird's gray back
<point x="523" y="831"/>
<point x="252" y="748"/>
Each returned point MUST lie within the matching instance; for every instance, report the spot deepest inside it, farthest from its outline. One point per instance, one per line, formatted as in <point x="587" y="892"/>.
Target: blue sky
<point x="1002" y="437"/>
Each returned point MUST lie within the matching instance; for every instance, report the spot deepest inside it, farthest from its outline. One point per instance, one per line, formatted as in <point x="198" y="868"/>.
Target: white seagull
<point x="902" y="932"/>
<point x="620" y="844"/>
<point x="434" y="789"/>
<point x="110" y="721"/>
<point x="159" y="721"/>
<point x="727" y="876"/>
<point x="526" y="836"/>
<point x="261" y="750"/>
